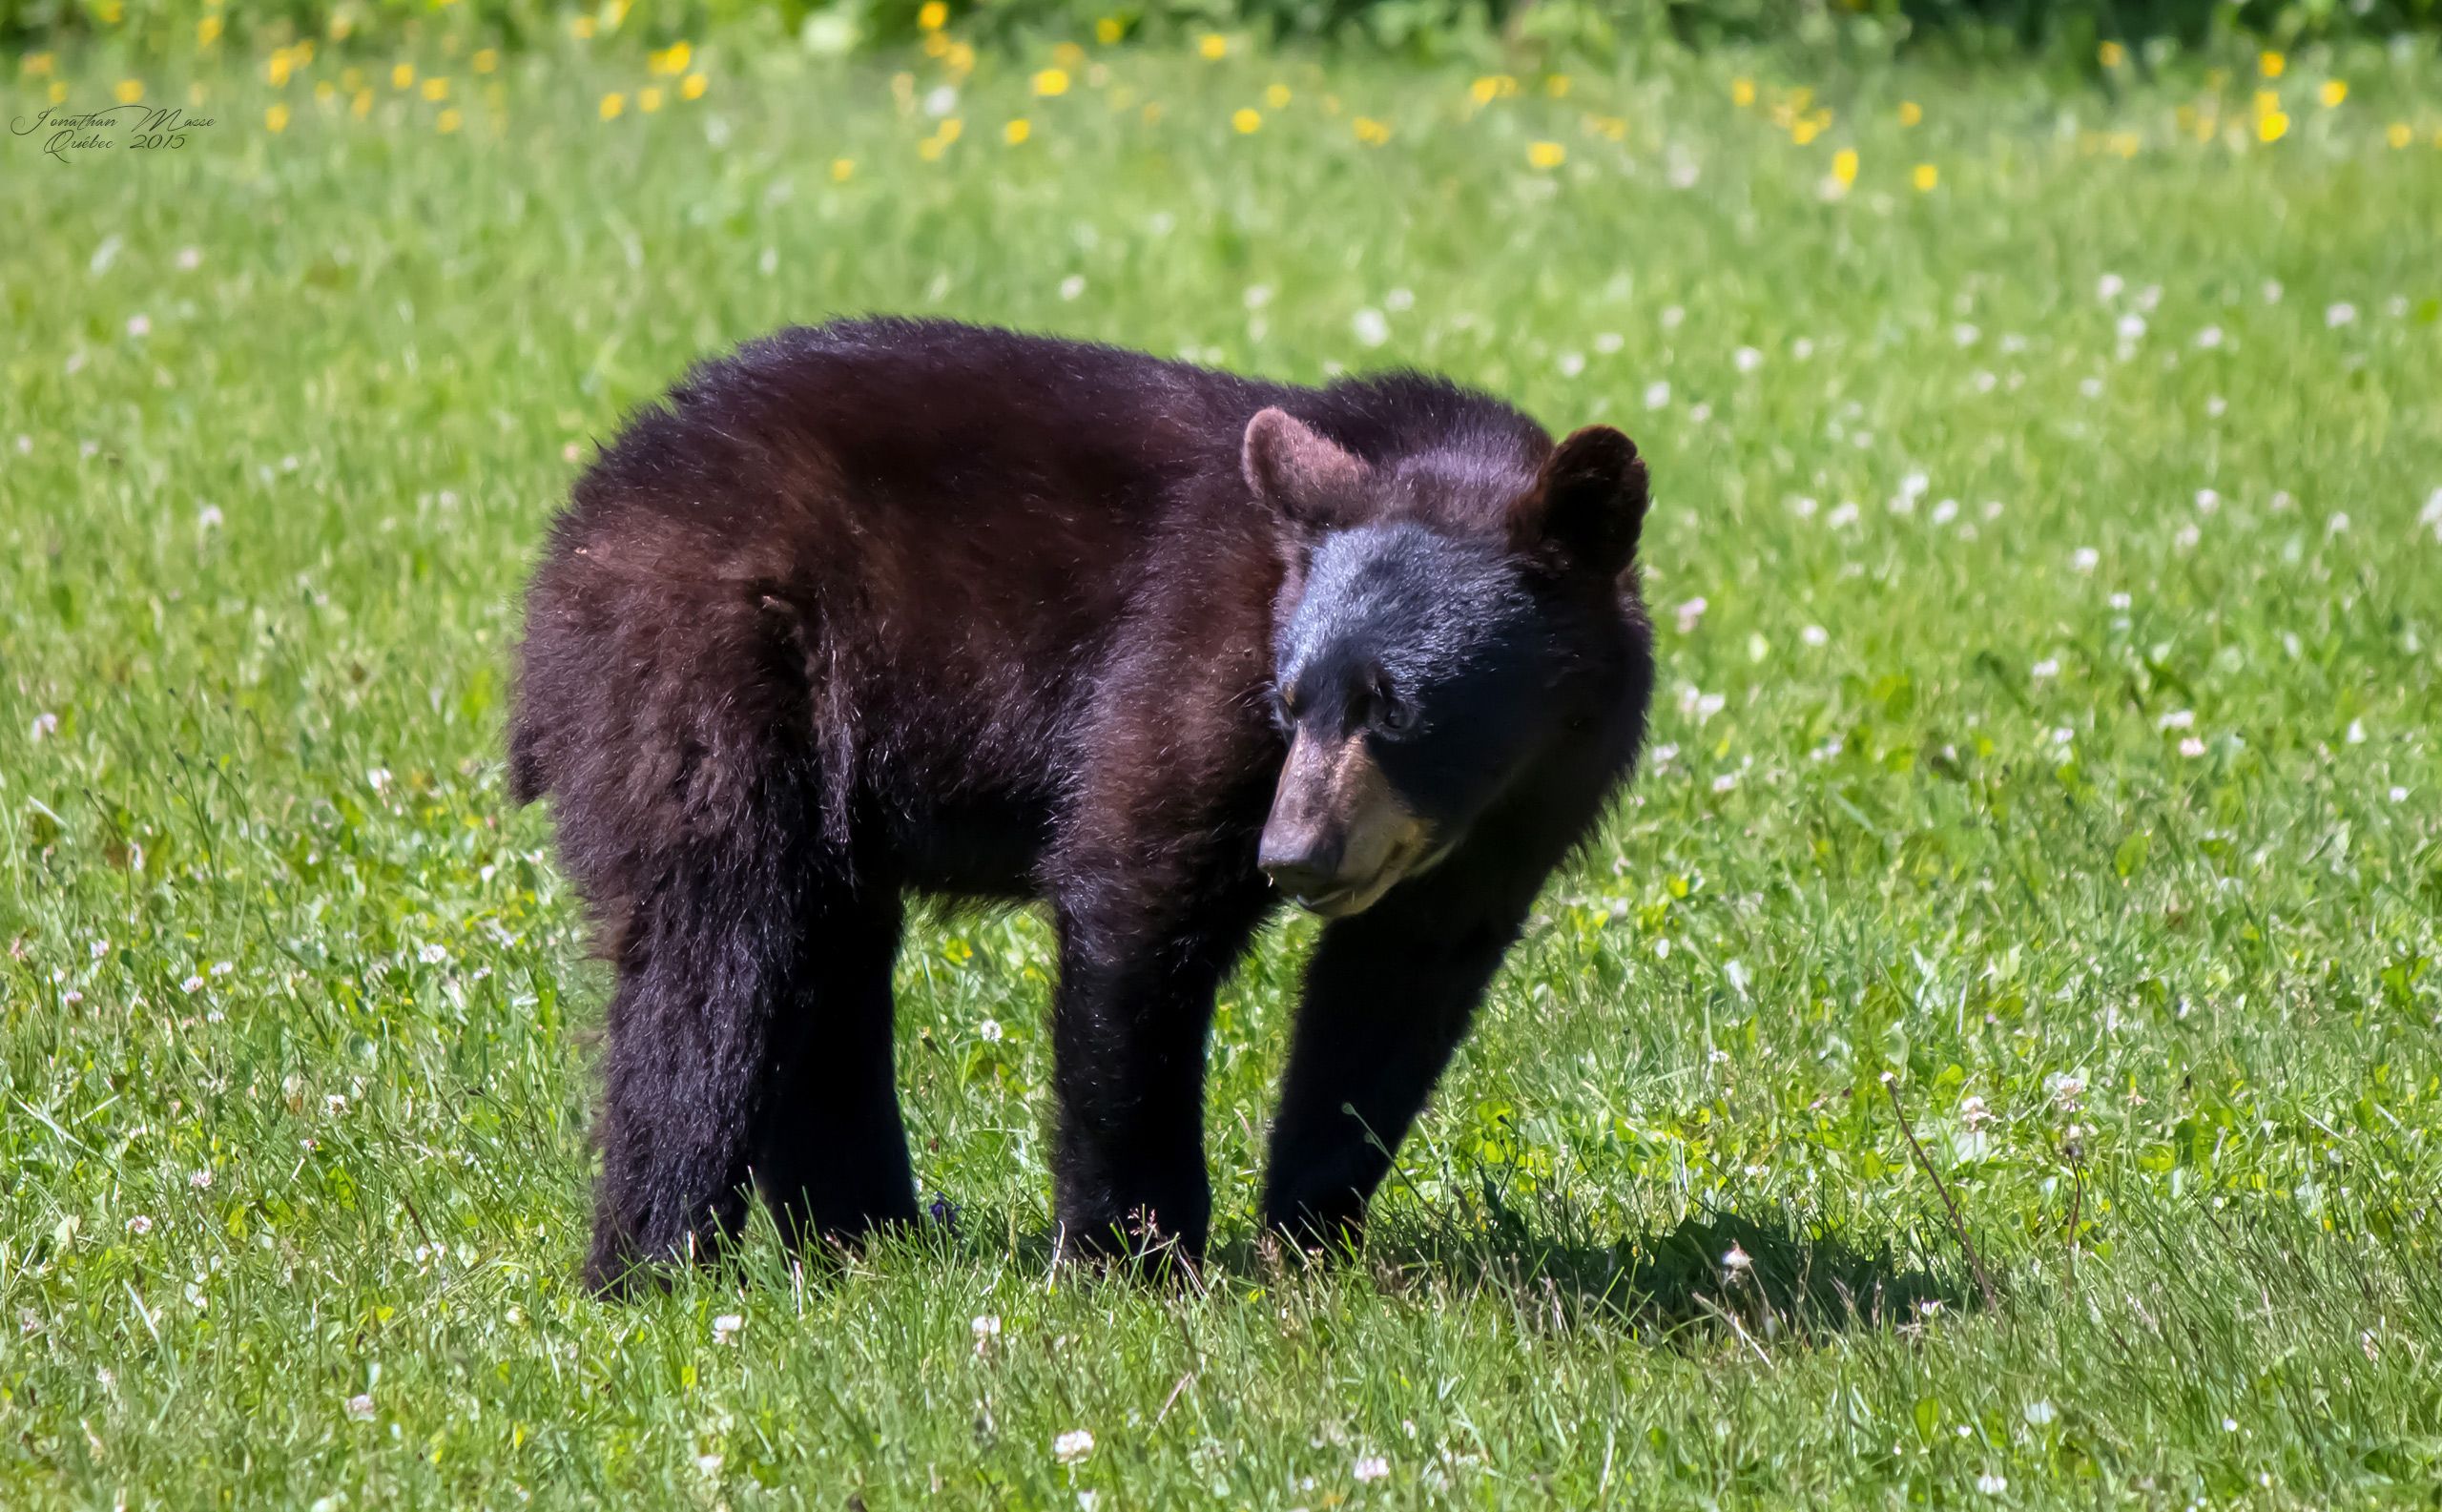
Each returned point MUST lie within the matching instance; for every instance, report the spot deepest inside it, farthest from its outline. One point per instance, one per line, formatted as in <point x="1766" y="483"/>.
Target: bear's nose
<point x="1302" y="867"/>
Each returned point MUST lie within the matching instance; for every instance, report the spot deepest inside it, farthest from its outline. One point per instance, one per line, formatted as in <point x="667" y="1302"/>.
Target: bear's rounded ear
<point x="1589" y="502"/>
<point x="1306" y="476"/>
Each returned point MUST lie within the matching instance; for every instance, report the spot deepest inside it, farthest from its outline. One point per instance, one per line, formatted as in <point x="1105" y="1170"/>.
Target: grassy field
<point x="2048" y="527"/>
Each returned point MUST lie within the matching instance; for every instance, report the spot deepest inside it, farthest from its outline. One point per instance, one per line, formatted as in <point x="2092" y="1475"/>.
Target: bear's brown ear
<point x="1306" y="476"/>
<point x="1591" y="502"/>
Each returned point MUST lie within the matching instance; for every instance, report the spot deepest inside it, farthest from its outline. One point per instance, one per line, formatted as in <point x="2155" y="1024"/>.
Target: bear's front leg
<point x="1389" y="995"/>
<point x="1138" y="970"/>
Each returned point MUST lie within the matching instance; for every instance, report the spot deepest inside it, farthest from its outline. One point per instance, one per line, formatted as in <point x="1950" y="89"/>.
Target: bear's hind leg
<point x="713" y="960"/>
<point x="830" y="1152"/>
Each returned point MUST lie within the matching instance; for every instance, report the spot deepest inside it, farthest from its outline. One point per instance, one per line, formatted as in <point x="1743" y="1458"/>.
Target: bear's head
<point x="1424" y="637"/>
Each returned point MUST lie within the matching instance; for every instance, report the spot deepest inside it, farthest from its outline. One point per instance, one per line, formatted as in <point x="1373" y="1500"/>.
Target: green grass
<point x="297" y="1030"/>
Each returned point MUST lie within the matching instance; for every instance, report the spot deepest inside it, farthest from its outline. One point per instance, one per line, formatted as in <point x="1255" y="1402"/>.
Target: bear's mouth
<point x="1348" y="897"/>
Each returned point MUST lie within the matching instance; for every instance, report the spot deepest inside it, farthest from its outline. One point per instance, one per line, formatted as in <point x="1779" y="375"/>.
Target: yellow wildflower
<point x="1276" y="96"/>
<point x="1843" y="166"/>
<point x="843" y="168"/>
<point x="2399" y="136"/>
<point x="933" y="15"/>
<point x="1371" y="132"/>
<point x="1910" y="113"/>
<point x="436" y="87"/>
<point x="1051" y="81"/>
<point x="207" y="32"/>
<point x="614" y="105"/>
<point x="691" y="87"/>
<point x="1742" y="93"/>
<point x="276" y="119"/>
<point x="128" y="91"/>
<point x="1017" y="131"/>
<point x="2271" y="64"/>
<point x="2270" y="126"/>
<point x="2332" y="93"/>
<point x="1246" y="121"/>
<point x="1557" y="85"/>
<point x="1925" y="178"/>
<point x="1212" y="45"/>
<point x="448" y="120"/>
<point x="485" y="60"/>
<point x="1109" y="30"/>
<point x="649" y="98"/>
<point x="403" y="76"/>
<point x="2111" y="54"/>
<point x="1547" y="155"/>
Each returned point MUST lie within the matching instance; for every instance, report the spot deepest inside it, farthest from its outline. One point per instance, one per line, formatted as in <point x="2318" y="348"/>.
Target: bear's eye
<point x="1393" y="716"/>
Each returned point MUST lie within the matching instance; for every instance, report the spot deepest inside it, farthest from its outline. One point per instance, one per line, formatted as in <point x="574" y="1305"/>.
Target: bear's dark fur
<point x="899" y="606"/>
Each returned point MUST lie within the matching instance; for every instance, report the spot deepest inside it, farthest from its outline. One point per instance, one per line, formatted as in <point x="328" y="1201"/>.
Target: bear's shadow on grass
<point x="1712" y="1276"/>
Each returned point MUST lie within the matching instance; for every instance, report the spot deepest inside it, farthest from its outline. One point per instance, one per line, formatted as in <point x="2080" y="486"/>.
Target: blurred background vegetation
<point x="2155" y="30"/>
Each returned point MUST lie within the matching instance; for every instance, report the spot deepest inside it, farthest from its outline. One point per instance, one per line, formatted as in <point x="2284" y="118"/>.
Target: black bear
<point x="893" y="606"/>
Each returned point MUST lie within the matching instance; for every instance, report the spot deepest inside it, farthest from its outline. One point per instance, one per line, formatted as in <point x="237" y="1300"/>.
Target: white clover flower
<point x="2131" y="328"/>
<point x="2090" y="387"/>
<point x="2048" y="667"/>
<point x="1725" y="781"/>
<point x="1748" y="359"/>
<point x="1372" y="328"/>
<point x="726" y="1327"/>
<point x="208" y="518"/>
<point x="2109" y="285"/>
<point x="378" y="778"/>
<point x="990" y="1031"/>
<point x="1815" y="636"/>
<point x="434" y="955"/>
<point x="2356" y="735"/>
<point x="1735" y="1261"/>
<point x="2336" y="316"/>
<point x="941" y="102"/>
<point x="1945" y="511"/>
<point x="2041" y="1413"/>
<point x="2210" y="338"/>
<point x="2176" y="720"/>
<point x="1606" y="343"/>
<point x="361" y="1406"/>
<point x="1973" y="1113"/>
<point x="987" y="1329"/>
<point x="1671" y="316"/>
<point x="2207" y="501"/>
<point x="1992" y="1484"/>
<point x="1370" y="1468"/>
<point x="140" y="1225"/>
<point x="1846" y="514"/>
<point x="708" y="1466"/>
<point x="2120" y="601"/>
<point x="1571" y="363"/>
<point x="2086" y="559"/>
<point x="1073" y="1446"/>
<point x="139" y="325"/>
<point x="2216" y="406"/>
<point x="2399" y="794"/>
<point x="1691" y="615"/>
<point x="1400" y="300"/>
<point x="2337" y="524"/>
<point x="1657" y="394"/>
<point x="2191" y="748"/>
<point x="192" y="986"/>
<point x="101" y="948"/>
<point x="2273" y="291"/>
<point x="1071" y="287"/>
<point x="46" y="725"/>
